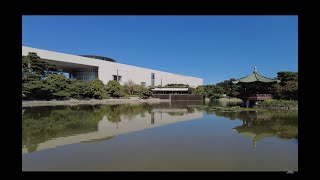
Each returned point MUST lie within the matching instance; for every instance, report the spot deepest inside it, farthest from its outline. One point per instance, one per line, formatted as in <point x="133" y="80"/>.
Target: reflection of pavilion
<point x="254" y="132"/>
<point x="108" y="129"/>
<point x="252" y="128"/>
<point x="257" y="125"/>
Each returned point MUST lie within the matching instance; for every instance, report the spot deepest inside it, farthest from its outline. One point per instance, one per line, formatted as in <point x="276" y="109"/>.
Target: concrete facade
<point x="107" y="70"/>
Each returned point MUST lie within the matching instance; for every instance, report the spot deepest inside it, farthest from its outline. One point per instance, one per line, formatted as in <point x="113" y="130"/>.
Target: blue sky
<point x="215" y="48"/>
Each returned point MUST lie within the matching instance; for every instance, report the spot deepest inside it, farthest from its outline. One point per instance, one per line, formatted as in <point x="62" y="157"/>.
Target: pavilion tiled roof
<point x="254" y="77"/>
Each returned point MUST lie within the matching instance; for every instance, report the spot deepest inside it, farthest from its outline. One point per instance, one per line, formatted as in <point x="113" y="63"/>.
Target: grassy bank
<point x="273" y="102"/>
<point x="91" y="102"/>
<point x="287" y="106"/>
<point x="232" y="100"/>
<point x="231" y="109"/>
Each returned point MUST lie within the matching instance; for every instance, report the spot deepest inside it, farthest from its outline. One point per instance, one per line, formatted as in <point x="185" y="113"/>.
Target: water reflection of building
<point x="107" y="128"/>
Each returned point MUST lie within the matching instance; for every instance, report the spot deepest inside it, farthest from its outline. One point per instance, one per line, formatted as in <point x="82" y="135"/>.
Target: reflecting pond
<point x="170" y="136"/>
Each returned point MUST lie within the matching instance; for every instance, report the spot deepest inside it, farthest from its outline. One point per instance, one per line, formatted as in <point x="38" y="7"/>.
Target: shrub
<point x="145" y="93"/>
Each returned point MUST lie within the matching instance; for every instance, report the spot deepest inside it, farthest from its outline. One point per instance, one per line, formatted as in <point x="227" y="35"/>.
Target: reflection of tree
<point x="176" y="113"/>
<point x="40" y="124"/>
<point x="43" y="123"/>
<point x="191" y="109"/>
<point x="219" y="103"/>
<point x="152" y="118"/>
<point x="263" y="124"/>
<point x="114" y="114"/>
<point x="129" y="111"/>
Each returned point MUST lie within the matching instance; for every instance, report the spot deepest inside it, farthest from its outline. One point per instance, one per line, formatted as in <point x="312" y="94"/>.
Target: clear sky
<point x="215" y="48"/>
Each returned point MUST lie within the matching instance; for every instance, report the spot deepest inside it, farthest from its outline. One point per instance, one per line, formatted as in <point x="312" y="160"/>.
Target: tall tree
<point x="200" y="90"/>
<point x="34" y="70"/>
<point x="288" y="88"/>
<point x="229" y="88"/>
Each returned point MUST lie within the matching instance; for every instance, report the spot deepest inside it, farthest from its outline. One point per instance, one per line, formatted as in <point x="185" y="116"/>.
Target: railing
<point x="257" y="96"/>
<point x="178" y="97"/>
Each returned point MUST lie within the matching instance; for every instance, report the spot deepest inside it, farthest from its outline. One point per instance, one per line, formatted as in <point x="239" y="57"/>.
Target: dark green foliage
<point x="145" y="93"/>
<point x="32" y="89"/>
<point x="214" y="92"/>
<point x="34" y="68"/>
<point x="119" y="93"/>
<point x="288" y="88"/>
<point x="201" y="90"/>
<point x="55" y="87"/>
<point x="286" y="76"/>
<point x="191" y="90"/>
<point x="113" y="87"/>
<point x="229" y="88"/>
<point x="78" y="89"/>
<point x="273" y="102"/>
<point x="215" y="96"/>
<point x="96" y="89"/>
<point x="44" y="81"/>
<point x="34" y="71"/>
<point x="208" y="90"/>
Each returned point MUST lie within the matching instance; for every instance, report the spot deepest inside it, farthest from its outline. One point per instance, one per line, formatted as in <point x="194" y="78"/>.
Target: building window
<point x="143" y="84"/>
<point x="115" y="78"/>
<point x="86" y="74"/>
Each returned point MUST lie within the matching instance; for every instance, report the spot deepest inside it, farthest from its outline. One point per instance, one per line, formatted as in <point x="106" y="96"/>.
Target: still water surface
<point x="160" y="137"/>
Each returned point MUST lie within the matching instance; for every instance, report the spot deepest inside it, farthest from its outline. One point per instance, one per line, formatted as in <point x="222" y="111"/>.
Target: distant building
<point x="88" y="67"/>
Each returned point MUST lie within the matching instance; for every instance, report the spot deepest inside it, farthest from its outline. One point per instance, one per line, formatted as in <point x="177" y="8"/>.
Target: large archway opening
<point x="77" y="71"/>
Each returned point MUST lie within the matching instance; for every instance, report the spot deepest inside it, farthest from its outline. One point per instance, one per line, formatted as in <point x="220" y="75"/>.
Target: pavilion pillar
<point x="245" y="103"/>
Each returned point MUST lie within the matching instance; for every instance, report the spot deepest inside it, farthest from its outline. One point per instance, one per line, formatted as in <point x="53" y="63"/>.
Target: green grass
<point x="273" y="102"/>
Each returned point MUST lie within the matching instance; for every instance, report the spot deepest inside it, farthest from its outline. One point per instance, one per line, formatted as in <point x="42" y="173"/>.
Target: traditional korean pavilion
<point x="256" y="88"/>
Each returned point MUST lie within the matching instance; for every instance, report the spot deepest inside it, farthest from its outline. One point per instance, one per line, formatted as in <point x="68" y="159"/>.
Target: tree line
<point x="287" y="89"/>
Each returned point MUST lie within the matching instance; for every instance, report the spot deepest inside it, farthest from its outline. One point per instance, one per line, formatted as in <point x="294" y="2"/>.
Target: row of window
<point x="118" y="78"/>
<point x="92" y="73"/>
<point x="86" y="74"/>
